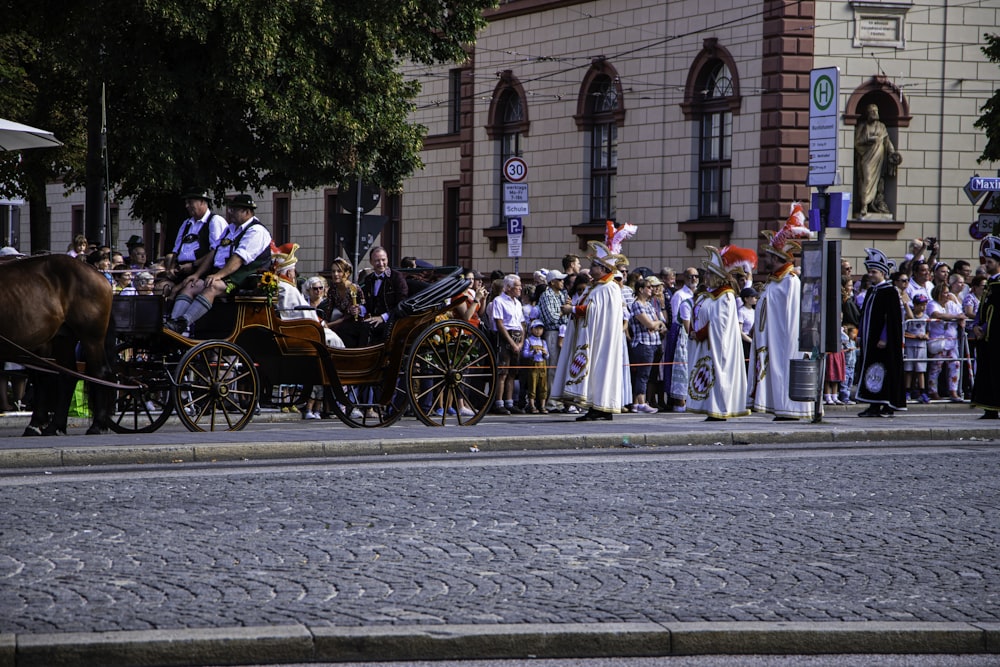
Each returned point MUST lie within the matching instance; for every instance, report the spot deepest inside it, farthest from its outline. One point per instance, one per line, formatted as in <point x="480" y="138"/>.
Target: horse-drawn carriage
<point x="439" y="370"/>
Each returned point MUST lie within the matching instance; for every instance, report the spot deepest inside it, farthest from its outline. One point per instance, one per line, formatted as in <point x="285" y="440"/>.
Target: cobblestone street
<point x="891" y="534"/>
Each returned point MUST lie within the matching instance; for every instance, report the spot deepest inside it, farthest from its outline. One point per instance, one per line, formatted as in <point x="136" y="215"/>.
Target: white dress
<point x="717" y="375"/>
<point x="775" y="343"/>
<point x="289" y="299"/>
<point x="590" y="369"/>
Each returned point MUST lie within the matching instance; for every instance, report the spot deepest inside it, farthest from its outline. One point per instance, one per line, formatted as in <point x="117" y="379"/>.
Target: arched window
<point x="715" y="144"/>
<point x="601" y="111"/>
<point x="508" y="125"/>
<point x="711" y="99"/>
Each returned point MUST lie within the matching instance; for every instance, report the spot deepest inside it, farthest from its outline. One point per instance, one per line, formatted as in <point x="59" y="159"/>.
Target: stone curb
<point x="298" y="643"/>
<point x="57" y="457"/>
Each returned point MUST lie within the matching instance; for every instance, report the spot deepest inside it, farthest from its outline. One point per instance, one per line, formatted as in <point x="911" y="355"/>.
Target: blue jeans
<point x="641" y="357"/>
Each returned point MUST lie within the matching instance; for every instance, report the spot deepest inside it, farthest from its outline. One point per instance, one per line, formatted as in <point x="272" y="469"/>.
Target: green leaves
<point x="989" y="122"/>
<point x="236" y="94"/>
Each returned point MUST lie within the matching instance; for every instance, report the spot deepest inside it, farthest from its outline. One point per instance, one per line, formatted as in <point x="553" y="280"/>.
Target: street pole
<point x="357" y="230"/>
<point x="824" y="217"/>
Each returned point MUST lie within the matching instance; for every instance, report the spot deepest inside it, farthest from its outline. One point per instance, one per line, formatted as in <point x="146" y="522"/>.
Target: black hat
<point x="133" y="241"/>
<point x="241" y="201"/>
<point x="196" y="193"/>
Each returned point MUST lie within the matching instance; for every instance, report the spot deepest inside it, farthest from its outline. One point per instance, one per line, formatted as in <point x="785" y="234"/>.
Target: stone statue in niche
<point x="875" y="159"/>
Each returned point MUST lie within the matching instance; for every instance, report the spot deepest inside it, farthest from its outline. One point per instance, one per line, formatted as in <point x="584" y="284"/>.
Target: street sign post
<point x="515" y="234"/>
<point x="824" y="93"/>
<point x="515" y="170"/>
<point x="984" y="183"/>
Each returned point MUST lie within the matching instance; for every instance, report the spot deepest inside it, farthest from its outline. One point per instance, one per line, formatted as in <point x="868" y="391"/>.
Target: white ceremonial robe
<point x="717" y="375"/>
<point x="289" y="299"/>
<point x="775" y="343"/>
<point x="589" y="373"/>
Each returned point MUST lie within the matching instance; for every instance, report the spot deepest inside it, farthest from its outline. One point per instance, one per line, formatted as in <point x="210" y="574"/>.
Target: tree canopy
<point x="228" y="94"/>
<point x="990" y="120"/>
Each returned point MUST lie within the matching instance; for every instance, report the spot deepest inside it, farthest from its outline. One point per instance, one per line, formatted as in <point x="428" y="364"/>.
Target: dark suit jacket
<point x="393" y="291"/>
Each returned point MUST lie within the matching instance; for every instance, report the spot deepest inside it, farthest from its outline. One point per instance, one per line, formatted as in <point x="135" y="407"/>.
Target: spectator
<point x="536" y="352"/>
<point x="571" y="265"/>
<point x="849" y="341"/>
<point x="144" y="282"/>
<point x="670" y="361"/>
<point x="915" y="351"/>
<point x="748" y="296"/>
<point x="137" y="260"/>
<point x="647" y="338"/>
<point x="656" y="392"/>
<point x="553" y="319"/>
<point x="920" y="280"/>
<point x="123" y="281"/>
<point x="508" y="319"/>
<point x="850" y="313"/>
<point x="78" y="248"/>
<point x="945" y="317"/>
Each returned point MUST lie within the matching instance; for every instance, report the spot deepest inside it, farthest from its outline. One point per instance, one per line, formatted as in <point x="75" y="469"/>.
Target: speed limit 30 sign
<point x="515" y="170"/>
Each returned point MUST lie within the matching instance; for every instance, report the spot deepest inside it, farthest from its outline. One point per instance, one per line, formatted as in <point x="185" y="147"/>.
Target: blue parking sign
<point x="515" y="226"/>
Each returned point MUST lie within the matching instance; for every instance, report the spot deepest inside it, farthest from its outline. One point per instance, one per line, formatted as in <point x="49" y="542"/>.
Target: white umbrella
<point x="15" y="137"/>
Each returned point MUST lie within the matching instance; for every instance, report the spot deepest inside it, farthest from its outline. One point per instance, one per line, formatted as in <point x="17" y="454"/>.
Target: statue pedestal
<point x="875" y="226"/>
<point x="876" y="217"/>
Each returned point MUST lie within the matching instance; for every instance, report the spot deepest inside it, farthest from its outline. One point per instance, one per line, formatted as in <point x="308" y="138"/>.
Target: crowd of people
<point x="604" y="339"/>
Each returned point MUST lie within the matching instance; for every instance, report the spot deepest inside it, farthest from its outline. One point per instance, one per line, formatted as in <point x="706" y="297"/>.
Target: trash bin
<point x="803" y="382"/>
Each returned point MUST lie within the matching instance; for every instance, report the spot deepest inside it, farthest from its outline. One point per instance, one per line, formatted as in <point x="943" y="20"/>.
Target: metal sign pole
<point x="357" y="232"/>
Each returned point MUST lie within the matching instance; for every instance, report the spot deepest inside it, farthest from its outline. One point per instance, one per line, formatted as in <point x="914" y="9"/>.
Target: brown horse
<point x="48" y="304"/>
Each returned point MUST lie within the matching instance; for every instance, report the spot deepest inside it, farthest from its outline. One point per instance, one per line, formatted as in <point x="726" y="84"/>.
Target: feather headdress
<point x="614" y="234"/>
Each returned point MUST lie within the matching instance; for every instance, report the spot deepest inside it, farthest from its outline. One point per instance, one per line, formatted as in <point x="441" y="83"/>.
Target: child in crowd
<point x="537" y="351"/>
<point x="849" y="343"/>
<point x="836" y="375"/>
<point x="915" y="350"/>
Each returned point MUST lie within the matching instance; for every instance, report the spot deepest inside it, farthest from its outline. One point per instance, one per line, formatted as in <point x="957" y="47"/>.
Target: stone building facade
<point x="688" y="118"/>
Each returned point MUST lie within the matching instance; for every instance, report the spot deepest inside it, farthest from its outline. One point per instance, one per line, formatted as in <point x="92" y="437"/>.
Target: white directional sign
<point x="515" y="170"/>
<point x="824" y="93"/>
<point x="515" y="208"/>
<point x="984" y="184"/>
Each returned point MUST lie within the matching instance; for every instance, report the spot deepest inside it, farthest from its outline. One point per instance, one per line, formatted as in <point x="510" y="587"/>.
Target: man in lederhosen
<point x="245" y="247"/>
<point x="197" y="236"/>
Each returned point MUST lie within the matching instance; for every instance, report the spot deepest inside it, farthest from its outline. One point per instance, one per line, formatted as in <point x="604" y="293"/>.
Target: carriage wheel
<point x="360" y="406"/>
<point x="451" y="374"/>
<point x="217" y="387"/>
<point x="146" y="409"/>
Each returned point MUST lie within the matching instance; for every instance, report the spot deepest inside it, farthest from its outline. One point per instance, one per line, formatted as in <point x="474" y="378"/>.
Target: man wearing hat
<point x="775" y="337"/>
<point x="881" y="336"/>
<point x="590" y="369"/>
<point x="550" y="312"/>
<point x="244" y="248"/>
<point x="986" y="387"/>
<point x="195" y="239"/>
<point x="291" y="304"/>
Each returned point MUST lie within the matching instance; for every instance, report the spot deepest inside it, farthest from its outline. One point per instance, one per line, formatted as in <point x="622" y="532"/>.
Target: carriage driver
<point x="195" y="239"/>
<point x="245" y="247"/>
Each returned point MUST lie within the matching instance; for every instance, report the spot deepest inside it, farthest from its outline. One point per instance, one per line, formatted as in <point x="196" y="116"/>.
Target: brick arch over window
<point x="701" y="69"/>
<point x="600" y="71"/>
<point x="507" y="86"/>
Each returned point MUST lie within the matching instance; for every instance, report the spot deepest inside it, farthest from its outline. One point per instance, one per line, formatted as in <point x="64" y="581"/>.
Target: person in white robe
<point x="717" y="377"/>
<point x="589" y="373"/>
<point x="776" y="331"/>
<point x="289" y="299"/>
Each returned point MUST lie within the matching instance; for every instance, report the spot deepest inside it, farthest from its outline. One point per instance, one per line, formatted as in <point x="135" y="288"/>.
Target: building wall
<point x="939" y="72"/>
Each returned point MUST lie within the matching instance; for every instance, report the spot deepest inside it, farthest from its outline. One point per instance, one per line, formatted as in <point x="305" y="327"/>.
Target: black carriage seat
<point x="138" y="314"/>
<point x="434" y="297"/>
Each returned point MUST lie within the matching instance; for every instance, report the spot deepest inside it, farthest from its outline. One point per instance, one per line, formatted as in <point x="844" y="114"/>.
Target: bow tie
<point x="380" y="276"/>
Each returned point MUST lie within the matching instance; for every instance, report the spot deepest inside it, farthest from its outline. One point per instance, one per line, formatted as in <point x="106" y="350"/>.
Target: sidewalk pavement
<point x="278" y="436"/>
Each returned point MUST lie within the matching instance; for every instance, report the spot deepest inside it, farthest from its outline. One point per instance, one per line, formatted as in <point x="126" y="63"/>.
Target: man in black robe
<point x="881" y="337"/>
<point x="986" y="388"/>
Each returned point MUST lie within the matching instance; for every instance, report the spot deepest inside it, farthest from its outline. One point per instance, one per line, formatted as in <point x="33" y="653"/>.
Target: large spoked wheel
<point x="451" y="374"/>
<point x="217" y="387"/>
<point x="361" y="406"/>
<point x="147" y="408"/>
